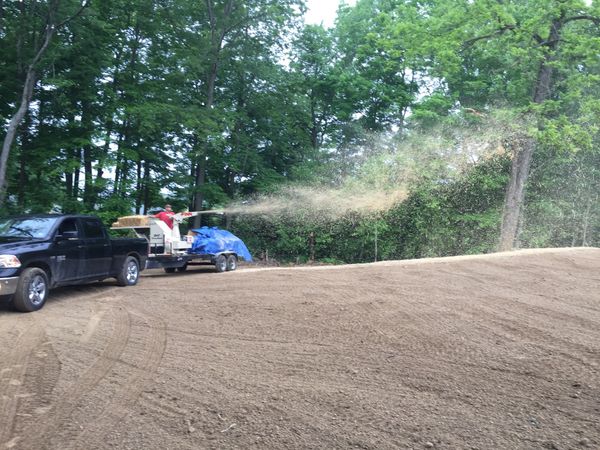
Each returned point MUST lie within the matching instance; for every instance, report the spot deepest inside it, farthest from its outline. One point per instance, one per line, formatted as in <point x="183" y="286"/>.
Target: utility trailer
<point x="168" y="250"/>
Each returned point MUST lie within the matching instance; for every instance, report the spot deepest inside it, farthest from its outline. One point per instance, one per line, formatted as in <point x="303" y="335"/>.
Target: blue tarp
<point x="213" y="240"/>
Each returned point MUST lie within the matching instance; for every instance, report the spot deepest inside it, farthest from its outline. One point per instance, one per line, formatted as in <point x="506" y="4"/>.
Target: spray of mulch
<point x="315" y="202"/>
<point x="382" y="169"/>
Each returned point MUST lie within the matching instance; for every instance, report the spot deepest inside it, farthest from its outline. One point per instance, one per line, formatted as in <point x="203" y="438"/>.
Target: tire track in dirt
<point x="70" y="298"/>
<point x="12" y="377"/>
<point x="41" y="378"/>
<point x="59" y="417"/>
<point x="155" y="332"/>
<point x="412" y="336"/>
<point x="546" y="341"/>
<point x="526" y="319"/>
<point x="487" y="284"/>
<point x="34" y="370"/>
<point x="92" y="325"/>
<point x="244" y="338"/>
<point x="406" y="326"/>
<point x="460" y="315"/>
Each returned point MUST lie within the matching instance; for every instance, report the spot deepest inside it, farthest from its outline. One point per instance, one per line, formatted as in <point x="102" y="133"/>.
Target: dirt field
<point x="499" y="351"/>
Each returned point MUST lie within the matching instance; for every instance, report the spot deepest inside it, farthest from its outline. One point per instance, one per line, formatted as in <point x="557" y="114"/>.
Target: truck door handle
<point x="80" y="246"/>
<point x="105" y="245"/>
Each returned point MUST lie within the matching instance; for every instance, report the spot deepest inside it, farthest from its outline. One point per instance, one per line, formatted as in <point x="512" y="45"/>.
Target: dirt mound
<point x="496" y="351"/>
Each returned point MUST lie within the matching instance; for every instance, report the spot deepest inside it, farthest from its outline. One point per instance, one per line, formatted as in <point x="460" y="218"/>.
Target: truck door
<point x="97" y="249"/>
<point x="66" y="253"/>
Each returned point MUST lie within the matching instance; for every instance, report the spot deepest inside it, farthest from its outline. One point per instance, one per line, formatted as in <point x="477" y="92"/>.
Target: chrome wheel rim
<point x="223" y="264"/>
<point x="37" y="290"/>
<point x="132" y="272"/>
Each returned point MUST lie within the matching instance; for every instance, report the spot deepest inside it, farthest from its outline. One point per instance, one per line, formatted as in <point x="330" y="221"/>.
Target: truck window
<point x="93" y="228"/>
<point x="26" y="227"/>
<point x="67" y="225"/>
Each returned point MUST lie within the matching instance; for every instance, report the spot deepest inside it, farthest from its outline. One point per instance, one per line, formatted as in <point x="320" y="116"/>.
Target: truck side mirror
<point x="67" y="236"/>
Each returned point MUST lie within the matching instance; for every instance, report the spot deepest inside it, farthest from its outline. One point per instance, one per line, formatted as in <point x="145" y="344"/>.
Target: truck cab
<point x="40" y="252"/>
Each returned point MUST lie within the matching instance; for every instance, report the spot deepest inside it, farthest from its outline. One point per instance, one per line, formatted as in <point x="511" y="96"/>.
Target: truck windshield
<point x="32" y="227"/>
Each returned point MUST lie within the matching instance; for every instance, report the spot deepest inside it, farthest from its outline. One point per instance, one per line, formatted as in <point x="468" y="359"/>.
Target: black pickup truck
<point x="40" y="252"/>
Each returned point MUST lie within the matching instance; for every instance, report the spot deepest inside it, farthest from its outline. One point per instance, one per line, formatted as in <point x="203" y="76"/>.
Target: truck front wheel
<point x="130" y="272"/>
<point x="32" y="290"/>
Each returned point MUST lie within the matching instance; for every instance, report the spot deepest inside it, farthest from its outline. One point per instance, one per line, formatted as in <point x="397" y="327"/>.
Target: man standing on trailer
<point x="165" y="216"/>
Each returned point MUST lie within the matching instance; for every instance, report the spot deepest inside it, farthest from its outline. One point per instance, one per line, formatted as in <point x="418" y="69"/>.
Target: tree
<point x="52" y="24"/>
<point x="313" y="70"/>
<point x="543" y="90"/>
<point x="375" y="39"/>
<point x="511" y="52"/>
<point x="212" y="34"/>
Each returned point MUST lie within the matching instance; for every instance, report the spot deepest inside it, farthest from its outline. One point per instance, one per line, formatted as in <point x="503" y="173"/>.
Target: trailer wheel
<point x="32" y="290"/>
<point x="170" y="269"/>
<point x="221" y="263"/>
<point x="130" y="272"/>
<point x="182" y="268"/>
<point x="231" y="262"/>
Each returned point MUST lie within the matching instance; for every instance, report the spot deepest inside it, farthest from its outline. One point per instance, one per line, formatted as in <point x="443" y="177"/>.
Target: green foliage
<point x="454" y="218"/>
<point x="139" y="102"/>
<point x="437" y="219"/>
<point x="113" y="208"/>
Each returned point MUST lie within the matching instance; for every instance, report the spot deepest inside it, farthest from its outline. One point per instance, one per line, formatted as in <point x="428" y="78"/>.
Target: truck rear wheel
<point x="231" y="262"/>
<point x="130" y="272"/>
<point x="32" y="290"/>
<point x="221" y="263"/>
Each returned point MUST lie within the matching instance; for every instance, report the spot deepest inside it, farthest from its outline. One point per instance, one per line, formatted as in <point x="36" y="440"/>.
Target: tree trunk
<point x="122" y="166"/>
<point x="314" y="124"/>
<point x="519" y="173"/>
<point x="22" y="178"/>
<point x="117" y="179"/>
<point x="515" y="193"/>
<point x="104" y="153"/>
<point x="586" y="221"/>
<point x="23" y="19"/>
<point x="117" y="175"/>
<point x="76" y="173"/>
<point x="199" y="194"/>
<point x="1" y="16"/>
<point x="200" y="176"/>
<point x="102" y="158"/>
<point x="26" y="95"/>
<point x="124" y="175"/>
<point x="25" y="145"/>
<point x="12" y="129"/>
<point x="69" y="184"/>
<point x="138" y="186"/>
<point x="88" y="187"/>
<point x="146" y="186"/>
<point x="216" y="42"/>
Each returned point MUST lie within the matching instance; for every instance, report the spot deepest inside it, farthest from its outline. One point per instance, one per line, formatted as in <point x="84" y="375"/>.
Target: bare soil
<point x="498" y="351"/>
